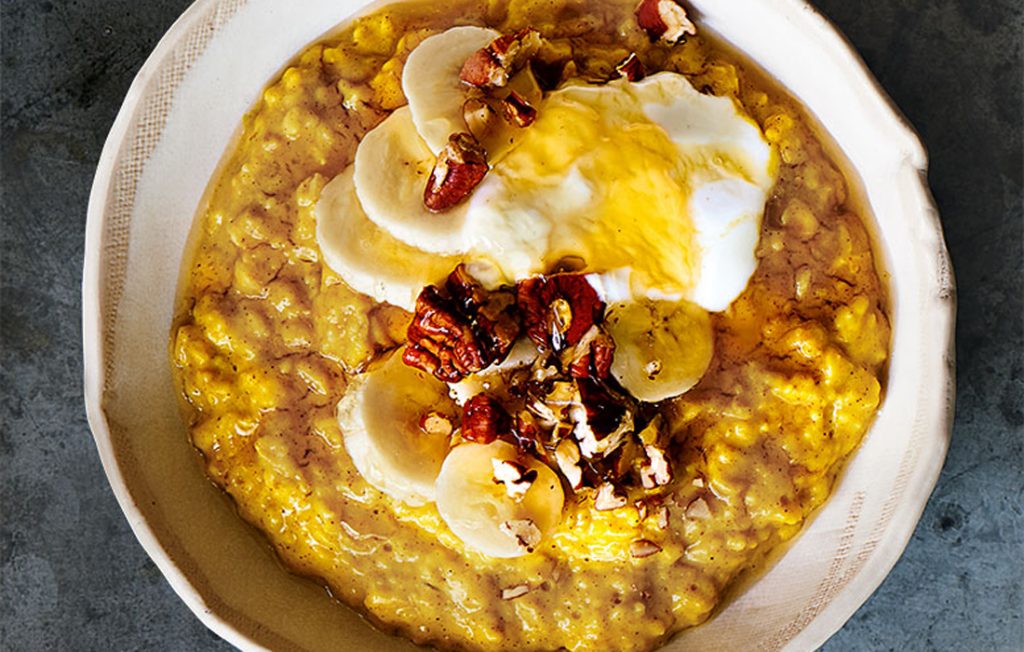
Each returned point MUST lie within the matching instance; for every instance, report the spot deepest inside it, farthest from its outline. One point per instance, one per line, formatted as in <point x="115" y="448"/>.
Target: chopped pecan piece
<point x="463" y="331"/>
<point x="516" y="110"/>
<point x="601" y="421"/>
<point x="698" y="509"/>
<point x="479" y="117"/>
<point x="665" y="20"/>
<point x="436" y="424"/>
<point x="494" y="65"/>
<point x="609" y="497"/>
<point x="661" y="513"/>
<point x="643" y="548"/>
<point x="513" y="51"/>
<point x="516" y="478"/>
<point x="526" y="431"/>
<point x="525" y="532"/>
<point x="553" y="406"/>
<point x="592" y="356"/>
<point x="545" y="320"/>
<point x="513" y="592"/>
<point x="641" y="509"/>
<point x="567" y="455"/>
<point x="482" y="70"/>
<point x="631" y="68"/>
<point x="483" y="419"/>
<point x="656" y="471"/>
<point x="458" y="170"/>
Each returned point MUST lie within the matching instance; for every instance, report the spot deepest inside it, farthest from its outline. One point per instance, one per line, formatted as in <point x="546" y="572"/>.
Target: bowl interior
<point x="182" y="113"/>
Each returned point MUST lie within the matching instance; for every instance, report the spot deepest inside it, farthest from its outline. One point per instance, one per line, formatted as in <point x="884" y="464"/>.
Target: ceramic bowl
<point x="177" y="120"/>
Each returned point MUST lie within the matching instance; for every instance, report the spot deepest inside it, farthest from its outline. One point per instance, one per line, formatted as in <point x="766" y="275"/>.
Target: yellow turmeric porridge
<point x="529" y="325"/>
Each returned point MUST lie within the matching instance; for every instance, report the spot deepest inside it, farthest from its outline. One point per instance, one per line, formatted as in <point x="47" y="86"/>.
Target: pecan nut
<point x="436" y="424"/>
<point x="609" y="497"/>
<point x="664" y="20"/>
<point x="484" y="419"/>
<point x="460" y="167"/>
<point x="592" y="356"/>
<point x="479" y="116"/>
<point x="516" y="477"/>
<point x="524" y="531"/>
<point x="602" y="421"/>
<point x="495" y="313"/>
<point x="516" y="110"/>
<point x="643" y="548"/>
<point x="558" y="310"/>
<point x="461" y="333"/>
<point x="494" y="65"/>
<point x="631" y="68"/>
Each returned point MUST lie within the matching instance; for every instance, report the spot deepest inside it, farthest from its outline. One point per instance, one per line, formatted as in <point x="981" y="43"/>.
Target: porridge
<point x="529" y="325"/>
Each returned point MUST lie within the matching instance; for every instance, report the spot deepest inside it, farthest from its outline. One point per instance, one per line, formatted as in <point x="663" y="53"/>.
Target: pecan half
<point x="441" y="340"/>
<point x="631" y="68"/>
<point x="554" y="324"/>
<point x="665" y="20"/>
<point x="483" y="419"/>
<point x="462" y="332"/>
<point x="458" y="170"/>
<point x="516" y="110"/>
<point x="492" y="66"/>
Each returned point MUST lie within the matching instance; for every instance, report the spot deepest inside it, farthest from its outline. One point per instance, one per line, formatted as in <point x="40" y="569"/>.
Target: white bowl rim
<point x="93" y="344"/>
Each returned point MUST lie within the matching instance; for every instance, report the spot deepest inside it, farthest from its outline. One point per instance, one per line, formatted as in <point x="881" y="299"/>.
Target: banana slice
<point x="366" y="256"/>
<point x="489" y="516"/>
<point x="380" y="419"/>
<point x="437" y="97"/>
<point x="430" y="81"/>
<point x="662" y="348"/>
<point x="392" y="165"/>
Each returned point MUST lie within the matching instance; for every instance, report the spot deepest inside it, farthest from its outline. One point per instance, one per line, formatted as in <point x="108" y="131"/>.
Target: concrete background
<point x="72" y="576"/>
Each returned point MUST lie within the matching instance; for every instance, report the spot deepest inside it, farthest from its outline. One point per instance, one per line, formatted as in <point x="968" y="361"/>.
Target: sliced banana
<point x="436" y="95"/>
<point x="392" y="165"/>
<point x="430" y="81"/>
<point x="484" y="513"/>
<point x="662" y="348"/>
<point x="366" y="256"/>
<point x="380" y="419"/>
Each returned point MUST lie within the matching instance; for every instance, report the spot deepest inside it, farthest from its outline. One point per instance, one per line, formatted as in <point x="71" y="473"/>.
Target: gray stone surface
<point x="72" y="577"/>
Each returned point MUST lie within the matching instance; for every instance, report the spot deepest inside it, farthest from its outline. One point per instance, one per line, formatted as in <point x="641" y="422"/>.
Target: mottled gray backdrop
<point x="72" y="576"/>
